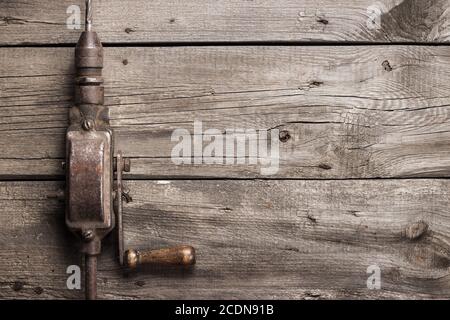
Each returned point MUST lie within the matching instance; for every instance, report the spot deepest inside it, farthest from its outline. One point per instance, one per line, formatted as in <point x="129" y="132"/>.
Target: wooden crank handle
<point x="176" y="256"/>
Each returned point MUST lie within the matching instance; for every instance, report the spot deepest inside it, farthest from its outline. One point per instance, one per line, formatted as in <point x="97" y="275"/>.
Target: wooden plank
<point x="345" y="112"/>
<point x="254" y="239"/>
<point x="128" y="21"/>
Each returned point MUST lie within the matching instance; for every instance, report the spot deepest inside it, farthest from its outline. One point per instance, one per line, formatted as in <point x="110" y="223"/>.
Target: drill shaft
<point x="90" y="175"/>
<point x="91" y="277"/>
<point x="88" y="22"/>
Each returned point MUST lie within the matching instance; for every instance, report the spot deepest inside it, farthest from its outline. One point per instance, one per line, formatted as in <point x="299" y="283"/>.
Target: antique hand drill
<point x="94" y="174"/>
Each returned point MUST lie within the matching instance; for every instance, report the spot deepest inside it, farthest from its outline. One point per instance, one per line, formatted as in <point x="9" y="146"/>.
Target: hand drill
<point x="94" y="175"/>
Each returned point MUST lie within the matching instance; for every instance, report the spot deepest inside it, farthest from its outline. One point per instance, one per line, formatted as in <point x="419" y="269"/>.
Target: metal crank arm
<point x="94" y="190"/>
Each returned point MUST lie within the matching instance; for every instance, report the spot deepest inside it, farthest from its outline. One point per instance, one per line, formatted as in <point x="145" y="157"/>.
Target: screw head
<point x="87" y="124"/>
<point x="88" y="235"/>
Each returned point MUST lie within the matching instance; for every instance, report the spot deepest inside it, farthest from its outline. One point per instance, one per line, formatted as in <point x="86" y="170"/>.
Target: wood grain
<point x="344" y="112"/>
<point x="142" y="21"/>
<point x="254" y="239"/>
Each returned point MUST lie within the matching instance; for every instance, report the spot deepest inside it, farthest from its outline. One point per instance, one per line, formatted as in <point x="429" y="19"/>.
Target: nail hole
<point x="324" y="166"/>
<point x="284" y="136"/>
<point x="38" y="290"/>
<point x="387" y="66"/>
<point x="140" y="283"/>
<point x="313" y="84"/>
<point x="18" y="285"/>
<point x="311" y="218"/>
<point x="323" y="21"/>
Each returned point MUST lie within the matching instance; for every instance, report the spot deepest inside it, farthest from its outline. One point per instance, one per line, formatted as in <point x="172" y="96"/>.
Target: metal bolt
<point x="126" y="164"/>
<point x="88" y="124"/>
<point x="63" y="165"/>
<point x="88" y="235"/>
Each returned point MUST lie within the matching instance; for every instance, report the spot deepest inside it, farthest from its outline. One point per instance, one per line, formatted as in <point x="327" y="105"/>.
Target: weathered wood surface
<point x="254" y="239"/>
<point x="143" y="21"/>
<point x="346" y="112"/>
<point x="349" y="112"/>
